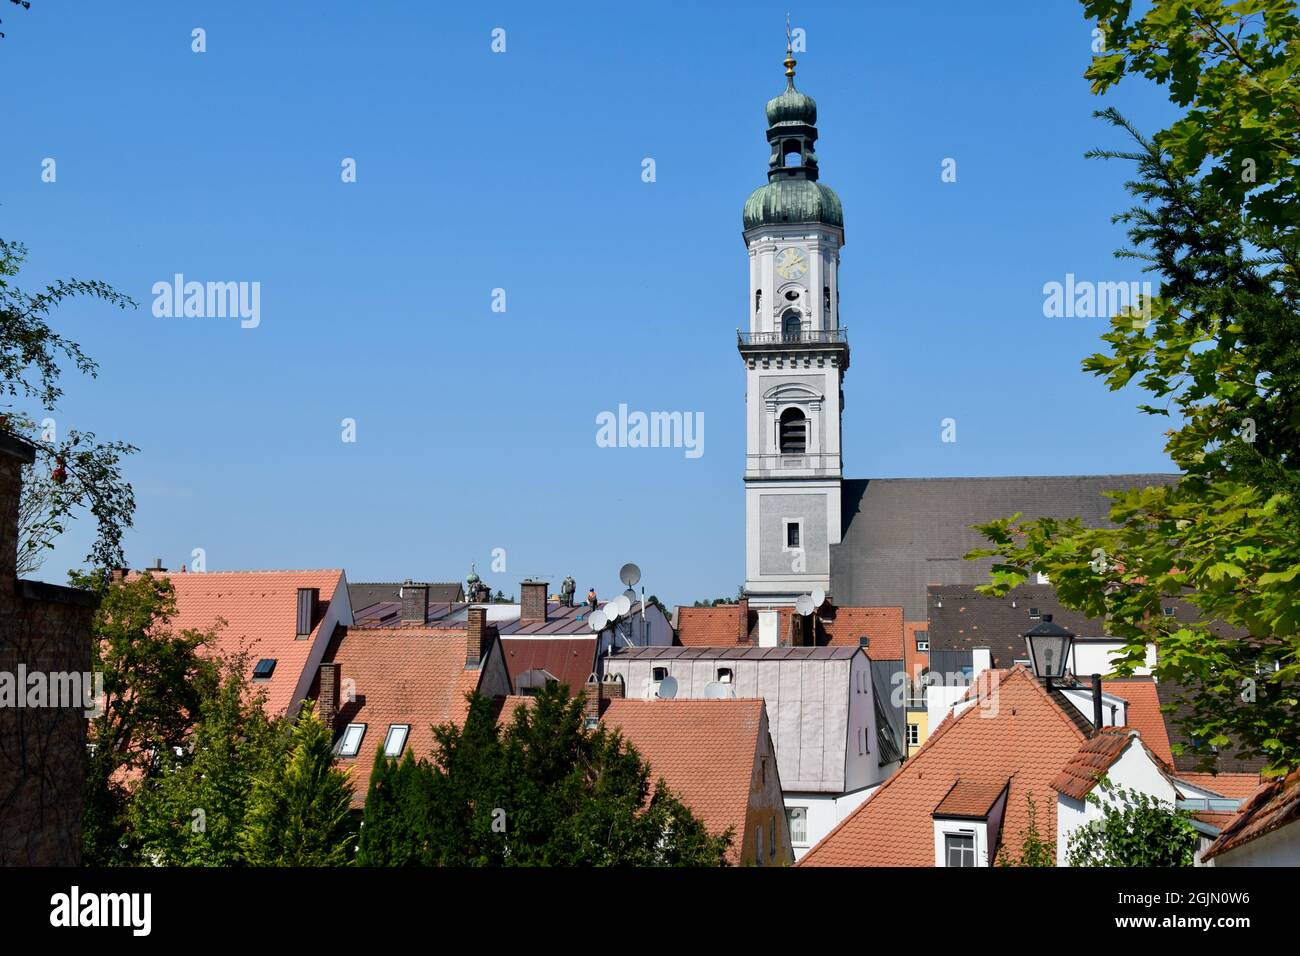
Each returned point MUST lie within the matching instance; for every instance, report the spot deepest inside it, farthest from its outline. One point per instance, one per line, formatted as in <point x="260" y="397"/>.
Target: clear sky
<point x="522" y="171"/>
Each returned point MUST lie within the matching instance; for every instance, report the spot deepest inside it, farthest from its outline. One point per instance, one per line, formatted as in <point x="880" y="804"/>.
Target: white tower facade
<point x="795" y="353"/>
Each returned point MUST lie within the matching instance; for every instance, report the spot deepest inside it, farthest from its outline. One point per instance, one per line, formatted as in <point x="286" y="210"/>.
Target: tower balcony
<point x="802" y="337"/>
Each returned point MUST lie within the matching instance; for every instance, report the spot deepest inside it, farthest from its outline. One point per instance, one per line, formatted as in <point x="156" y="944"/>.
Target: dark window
<point x="959" y="848"/>
<point x="864" y="641"/>
<point x="826" y="297"/>
<point x="792" y="534"/>
<point x="791" y="326"/>
<point x="794" y="432"/>
<point x="922" y="641"/>
<point x="660" y="673"/>
<point x="1033" y="613"/>
<point x="724" y="675"/>
<point x="792" y="294"/>
<point x="264" y="669"/>
<point x="758" y="300"/>
<point x="1169" y="612"/>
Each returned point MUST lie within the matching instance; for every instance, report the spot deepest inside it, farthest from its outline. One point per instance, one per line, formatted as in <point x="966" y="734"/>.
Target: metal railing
<point x="806" y="337"/>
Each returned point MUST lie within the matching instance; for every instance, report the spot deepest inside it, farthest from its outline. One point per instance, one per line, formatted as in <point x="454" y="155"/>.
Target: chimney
<point x="598" y="694"/>
<point x="118" y="575"/>
<point x="743" y="610"/>
<point x="532" y="607"/>
<point x="767" y="627"/>
<point x="478" y="636"/>
<point x="415" y="602"/>
<point x="1096" y="703"/>
<point x="329" y="694"/>
<point x="308" y="599"/>
<point x="157" y="567"/>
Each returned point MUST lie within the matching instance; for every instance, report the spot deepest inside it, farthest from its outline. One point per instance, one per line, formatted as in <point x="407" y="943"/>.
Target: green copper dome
<point x="792" y="107"/>
<point x="793" y="200"/>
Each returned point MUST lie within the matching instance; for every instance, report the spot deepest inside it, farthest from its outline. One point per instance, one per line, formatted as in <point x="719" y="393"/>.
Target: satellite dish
<point x="611" y="611"/>
<point x="630" y="594"/>
<point x="597" y="620"/>
<point x="629" y="574"/>
<point x="804" y="605"/>
<point x="819" y="597"/>
<point x="623" y="603"/>
<point x="716" y="690"/>
<point x="668" y="688"/>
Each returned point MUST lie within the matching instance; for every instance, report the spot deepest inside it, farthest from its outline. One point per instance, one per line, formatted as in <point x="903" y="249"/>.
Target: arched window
<point x="794" y="432"/>
<point x="791" y="326"/>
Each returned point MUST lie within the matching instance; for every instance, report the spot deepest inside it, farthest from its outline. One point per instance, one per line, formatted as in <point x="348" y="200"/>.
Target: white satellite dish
<point x="803" y="604"/>
<point x="611" y="611"/>
<point x="623" y="603"/>
<point x="597" y="620"/>
<point x="668" y="688"/>
<point x="630" y="595"/>
<point x="819" y="597"/>
<point x="717" y="690"/>
<point x="629" y="574"/>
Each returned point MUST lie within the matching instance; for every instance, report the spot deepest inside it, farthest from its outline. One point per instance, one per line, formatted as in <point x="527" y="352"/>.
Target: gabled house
<point x="834" y="738"/>
<point x="717" y="757"/>
<point x="1265" y="831"/>
<point x="964" y="797"/>
<point x="281" y="620"/>
<point x="387" y="687"/>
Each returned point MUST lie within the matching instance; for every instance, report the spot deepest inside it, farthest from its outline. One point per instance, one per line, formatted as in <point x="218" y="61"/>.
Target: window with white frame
<point x="796" y="819"/>
<point x="922" y="642"/>
<point x="914" y="735"/>
<point x="395" y="742"/>
<point x="959" y="849"/>
<point x="350" y="742"/>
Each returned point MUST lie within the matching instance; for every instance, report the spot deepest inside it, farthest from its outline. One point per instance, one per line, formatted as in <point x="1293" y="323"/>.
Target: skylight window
<point x="395" y="742"/>
<point x="264" y="669"/>
<point x="350" y="742"/>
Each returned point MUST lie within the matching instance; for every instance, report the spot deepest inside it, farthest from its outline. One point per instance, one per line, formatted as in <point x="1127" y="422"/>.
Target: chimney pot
<point x="532" y="602"/>
<point x="478" y="635"/>
<point x="329" y="693"/>
<point x="415" y="602"/>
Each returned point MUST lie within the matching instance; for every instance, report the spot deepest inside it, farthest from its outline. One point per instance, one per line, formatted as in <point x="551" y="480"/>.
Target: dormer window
<point x="959" y="849"/>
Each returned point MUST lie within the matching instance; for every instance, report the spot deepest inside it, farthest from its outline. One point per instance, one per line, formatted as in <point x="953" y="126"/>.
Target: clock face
<point x="791" y="264"/>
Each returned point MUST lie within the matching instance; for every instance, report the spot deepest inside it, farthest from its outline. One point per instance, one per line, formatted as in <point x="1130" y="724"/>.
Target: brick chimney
<point x="329" y="694"/>
<point x="118" y="575"/>
<point x="598" y="694"/>
<point x="742" y="609"/>
<point x="415" y="602"/>
<point x="478" y="637"/>
<point x="532" y="606"/>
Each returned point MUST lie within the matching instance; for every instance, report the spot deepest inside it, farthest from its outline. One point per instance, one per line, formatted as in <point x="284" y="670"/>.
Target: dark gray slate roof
<point x="961" y="619"/>
<point x="901" y="534"/>
<point x="361" y="596"/>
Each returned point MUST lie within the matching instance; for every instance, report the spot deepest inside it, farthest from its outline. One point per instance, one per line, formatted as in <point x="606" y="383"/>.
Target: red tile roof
<point x="260" y="609"/>
<point x="1025" y="738"/>
<point x="1271" y="807"/>
<point x="705" y="751"/>
<point x="1095" y="756"/>
<point x="1236" y="785"/>
<point x="570" y="660"/>
<point x="839" y="627"/>
<point x="1143" y="712"/>
<point x="970" y="798"/>
<point x="413" y="676"/>
<point x="713" y="626"/>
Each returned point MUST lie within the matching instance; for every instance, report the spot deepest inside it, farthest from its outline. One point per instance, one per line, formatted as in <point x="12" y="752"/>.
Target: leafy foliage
<point x="1136" y="829"/>
<point x="541" y="791"/>
<point x="1034" y="850"/>
<point x="1216" y="352"/>
<point x="299" y="810"/>
<point x="77" y="472"/>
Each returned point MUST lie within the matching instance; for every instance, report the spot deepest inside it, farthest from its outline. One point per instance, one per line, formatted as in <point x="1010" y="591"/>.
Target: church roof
<point x="901" y="534"/>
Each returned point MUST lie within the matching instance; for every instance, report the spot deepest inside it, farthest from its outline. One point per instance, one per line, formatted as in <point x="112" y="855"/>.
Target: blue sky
<point x="522" y="171"/>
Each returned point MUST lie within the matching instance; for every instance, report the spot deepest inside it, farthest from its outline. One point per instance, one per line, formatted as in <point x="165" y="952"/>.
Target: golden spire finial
<point x="789" y="54"/>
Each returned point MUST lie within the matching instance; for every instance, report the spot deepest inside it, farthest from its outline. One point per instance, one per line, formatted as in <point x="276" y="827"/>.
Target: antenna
<point x="803" y="605"/>
<point x="668" y="688"/>
<point x="611" y="611"/>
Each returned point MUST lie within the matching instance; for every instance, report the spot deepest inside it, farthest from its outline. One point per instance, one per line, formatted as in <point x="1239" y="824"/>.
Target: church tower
<point x="795" y="354"/>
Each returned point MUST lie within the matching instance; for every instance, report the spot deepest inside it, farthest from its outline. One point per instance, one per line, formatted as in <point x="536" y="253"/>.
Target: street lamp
<point x="1049" y="649"/>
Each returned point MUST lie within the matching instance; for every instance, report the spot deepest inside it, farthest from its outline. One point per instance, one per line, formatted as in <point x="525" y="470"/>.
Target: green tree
<point x="1034" y="850"/>
<point x="1135" y="829"/>
<point x="540" y="790"/>
<point x="192" y="811"/>
<point x="299" y="809"/>
<point x="1216" y="352"/>
<point x="74" y="473"/>
<point x="155" y="682"/>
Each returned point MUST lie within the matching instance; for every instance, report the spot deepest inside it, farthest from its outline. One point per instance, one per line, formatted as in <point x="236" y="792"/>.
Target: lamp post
<point x="1049" y="649"/>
